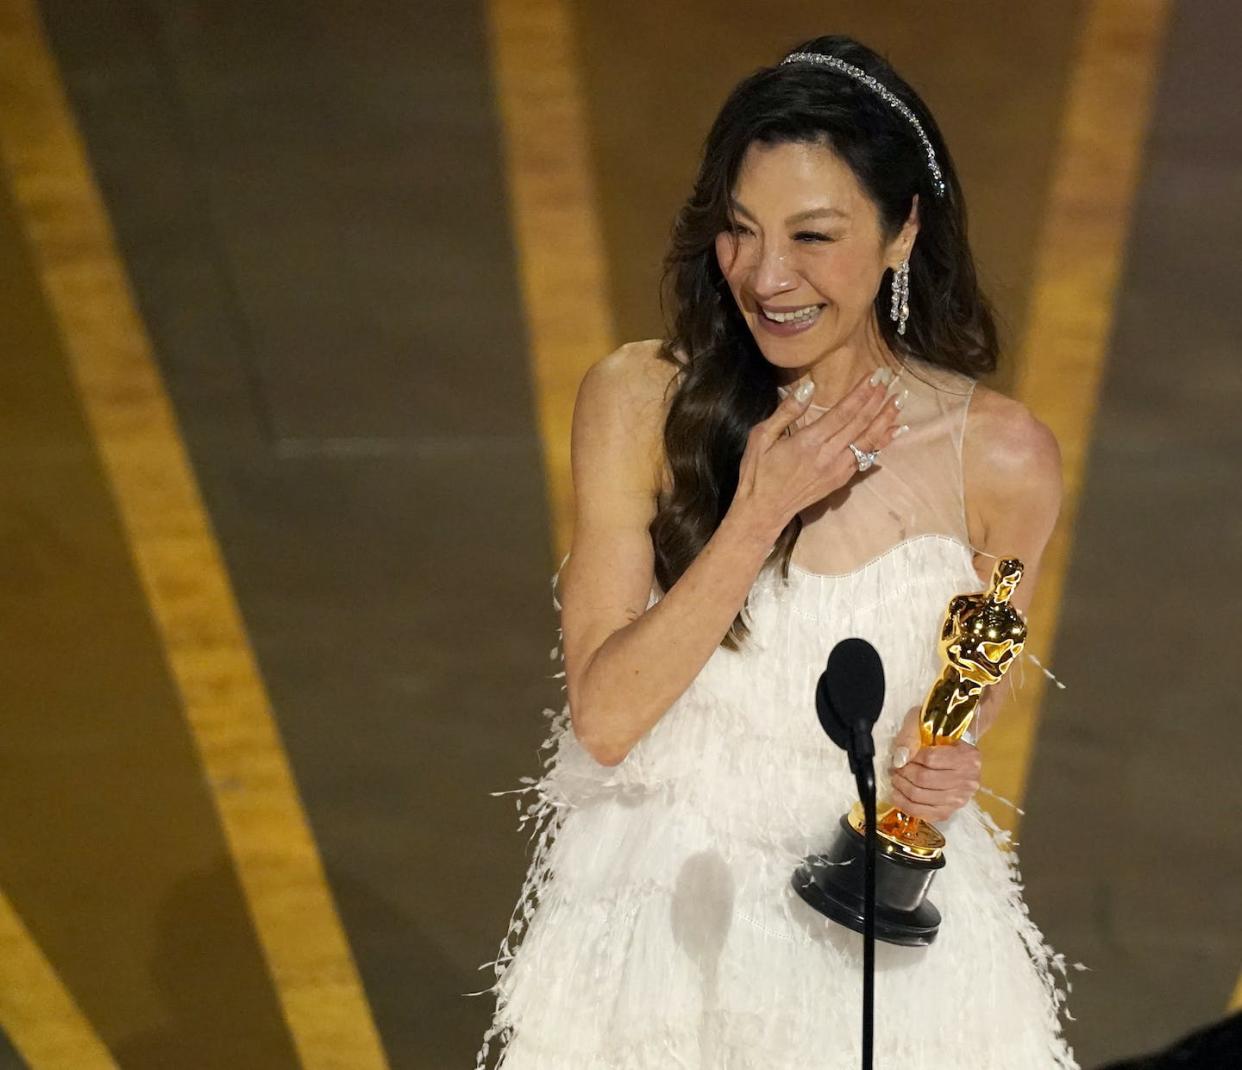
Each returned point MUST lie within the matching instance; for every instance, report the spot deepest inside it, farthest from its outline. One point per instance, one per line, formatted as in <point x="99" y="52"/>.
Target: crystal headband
<point x="890" y="98"/>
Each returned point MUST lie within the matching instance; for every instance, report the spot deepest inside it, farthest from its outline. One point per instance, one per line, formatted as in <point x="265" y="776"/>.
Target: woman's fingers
<point x="906" y="743"/>
<point x="869" y="427"/>
<point x="925" y="811"/>
<point x="793" y="405"/>
<point x="788" y="465"/>
<point x="885" y="426"/>
<point x="937" y="781"/>
<point x="865" y="396"/>
<point x="923" y="779"/>
<point x="951" y="757"/>
<point x="959" y="755"/>
<point x="871" y="421"/>
<point x="913" y="798"/>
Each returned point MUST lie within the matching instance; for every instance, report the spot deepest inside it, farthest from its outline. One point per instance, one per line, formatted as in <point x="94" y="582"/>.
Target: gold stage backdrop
<point x="296" y="301"/>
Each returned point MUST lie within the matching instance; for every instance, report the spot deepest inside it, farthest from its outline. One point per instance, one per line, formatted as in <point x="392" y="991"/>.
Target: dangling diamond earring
<point x="900" y="310"/>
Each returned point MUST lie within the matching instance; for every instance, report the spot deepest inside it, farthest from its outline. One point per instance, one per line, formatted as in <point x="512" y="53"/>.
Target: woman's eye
<point x="812" y="236"/>
<point x="737" y="230"/>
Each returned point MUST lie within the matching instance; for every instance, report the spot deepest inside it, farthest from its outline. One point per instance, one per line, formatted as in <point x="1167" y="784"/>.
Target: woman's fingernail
<point x="881" y="375"/>
<point x="901" y="430"/>
<point x="900" y="756"/>
<point x="805" y="389"/>
<point x="901" y="398"/>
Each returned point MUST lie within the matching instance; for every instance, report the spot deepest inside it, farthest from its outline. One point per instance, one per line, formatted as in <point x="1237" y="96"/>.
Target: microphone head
<point x="829" y="719"/>
<point x="852" y="689"/>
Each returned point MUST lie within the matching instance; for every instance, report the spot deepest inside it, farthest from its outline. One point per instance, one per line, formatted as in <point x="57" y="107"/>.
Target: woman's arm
<point x="1012" y="467"/>
<point x="1012" y="474"/>
<point x="625" y="665"/>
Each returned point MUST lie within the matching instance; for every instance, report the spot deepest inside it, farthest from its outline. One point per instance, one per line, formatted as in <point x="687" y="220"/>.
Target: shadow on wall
<point x="195" y="930"/>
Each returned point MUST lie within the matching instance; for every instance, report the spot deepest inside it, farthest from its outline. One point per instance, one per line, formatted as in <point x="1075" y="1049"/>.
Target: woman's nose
<point x="773" y="273"/>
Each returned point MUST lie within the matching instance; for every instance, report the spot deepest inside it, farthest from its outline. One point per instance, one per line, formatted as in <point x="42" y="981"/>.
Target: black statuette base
<point x="832" y="884"/>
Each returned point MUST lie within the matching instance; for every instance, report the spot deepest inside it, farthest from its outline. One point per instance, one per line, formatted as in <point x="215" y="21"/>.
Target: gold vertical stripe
<point x="177" y="560"/>
<point x="1077" y="269"/>
<point x="555" y="222"/>
<point x="39" y="1014"/>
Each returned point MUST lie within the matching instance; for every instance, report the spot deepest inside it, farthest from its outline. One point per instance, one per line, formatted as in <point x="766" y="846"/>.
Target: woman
<point x="807" y="457"/>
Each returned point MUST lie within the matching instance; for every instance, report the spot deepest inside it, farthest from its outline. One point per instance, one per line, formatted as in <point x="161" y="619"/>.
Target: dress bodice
<point x="881" y="559"/>
<point x="744" y="737"/>
<point x="916" y="488"/>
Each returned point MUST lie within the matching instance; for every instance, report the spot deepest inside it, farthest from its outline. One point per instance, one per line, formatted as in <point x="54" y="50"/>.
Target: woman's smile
<point x="787" y="321"/>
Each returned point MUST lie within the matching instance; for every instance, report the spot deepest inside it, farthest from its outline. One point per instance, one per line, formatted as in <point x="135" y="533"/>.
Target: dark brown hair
<point x="725" y="385"/>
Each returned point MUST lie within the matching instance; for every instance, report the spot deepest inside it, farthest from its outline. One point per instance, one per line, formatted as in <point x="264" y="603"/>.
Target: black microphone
<point x="849" y="697"/>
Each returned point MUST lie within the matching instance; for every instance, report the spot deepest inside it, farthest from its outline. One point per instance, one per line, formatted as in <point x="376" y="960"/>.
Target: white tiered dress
<point x="658" y="928"/>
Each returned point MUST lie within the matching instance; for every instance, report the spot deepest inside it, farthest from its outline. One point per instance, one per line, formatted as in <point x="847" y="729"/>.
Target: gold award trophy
<point x="981" y="636"/>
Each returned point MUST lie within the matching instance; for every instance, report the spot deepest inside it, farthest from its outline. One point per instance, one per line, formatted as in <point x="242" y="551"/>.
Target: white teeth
<point x="786" y="317"/>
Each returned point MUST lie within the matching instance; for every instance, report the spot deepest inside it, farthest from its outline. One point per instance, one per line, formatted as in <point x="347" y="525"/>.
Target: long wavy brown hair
<point x="724" y="385"/>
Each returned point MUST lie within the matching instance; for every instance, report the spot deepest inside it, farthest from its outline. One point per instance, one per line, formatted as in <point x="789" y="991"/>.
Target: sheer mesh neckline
<point x="922" y="371"/>
<point x="915" y="490"/>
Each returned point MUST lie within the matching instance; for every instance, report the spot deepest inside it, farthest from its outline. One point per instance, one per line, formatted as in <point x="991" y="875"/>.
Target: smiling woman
<point x="793" y="144"/>
<point x="817" y="396"/>
<point x="836" y="269"/>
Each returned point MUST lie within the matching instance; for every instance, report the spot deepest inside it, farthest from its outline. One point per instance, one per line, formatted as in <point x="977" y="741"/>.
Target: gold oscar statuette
<point x="981" y="636"/>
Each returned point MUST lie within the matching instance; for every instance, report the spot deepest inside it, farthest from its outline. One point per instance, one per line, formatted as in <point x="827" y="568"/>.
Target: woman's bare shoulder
<point x="1011" y="460"/>
<point x="1005" y="437"/>
<point x="637" y="373"/>
<point x="628" y="392"/>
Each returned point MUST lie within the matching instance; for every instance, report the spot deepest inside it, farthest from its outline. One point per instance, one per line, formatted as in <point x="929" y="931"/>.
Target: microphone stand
<point x="862" y="751"/>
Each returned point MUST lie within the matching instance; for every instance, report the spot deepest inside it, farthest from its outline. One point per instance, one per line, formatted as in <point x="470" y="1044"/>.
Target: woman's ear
<point x="910" y="228"/>
<point x="913" y="218"/>
<point x="903" y="244"/>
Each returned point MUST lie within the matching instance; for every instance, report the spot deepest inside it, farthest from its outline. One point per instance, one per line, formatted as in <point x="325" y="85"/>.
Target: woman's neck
<point x="835" y="373"/>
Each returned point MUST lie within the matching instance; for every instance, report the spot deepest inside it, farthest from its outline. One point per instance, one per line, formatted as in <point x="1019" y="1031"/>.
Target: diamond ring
<point x="865" y="460"/>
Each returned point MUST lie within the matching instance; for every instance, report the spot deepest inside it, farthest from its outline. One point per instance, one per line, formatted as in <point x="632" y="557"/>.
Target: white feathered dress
<point x="657" y="927"/>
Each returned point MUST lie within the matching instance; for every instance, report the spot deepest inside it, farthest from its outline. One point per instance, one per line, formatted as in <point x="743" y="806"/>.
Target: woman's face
<point x="807" y="258"/>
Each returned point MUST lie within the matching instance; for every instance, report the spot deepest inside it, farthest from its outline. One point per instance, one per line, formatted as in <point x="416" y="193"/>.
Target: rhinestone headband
<point x="890" y="98"/>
